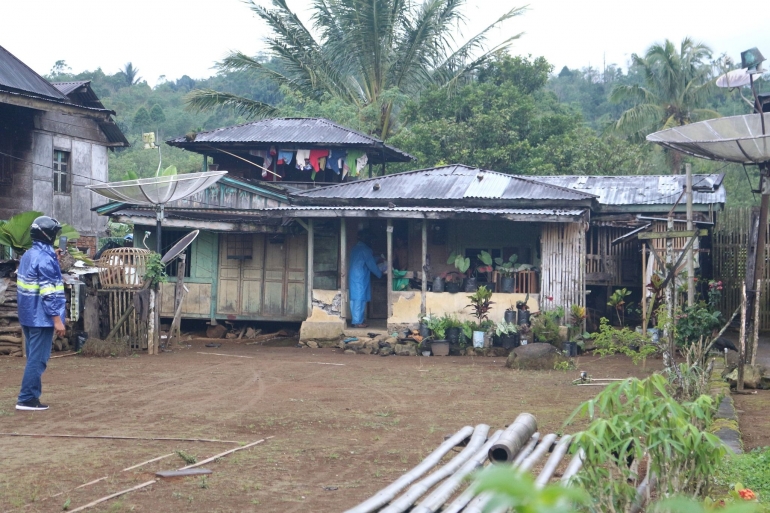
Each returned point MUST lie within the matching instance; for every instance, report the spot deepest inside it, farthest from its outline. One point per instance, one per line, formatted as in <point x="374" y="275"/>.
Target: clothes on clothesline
<point x="285" y="157"/>
<point x="336" y="160"/>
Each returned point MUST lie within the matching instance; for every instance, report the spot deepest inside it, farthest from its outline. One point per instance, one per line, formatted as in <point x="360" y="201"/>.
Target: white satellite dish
<point x="740" y="139"/>
<point x="158" y="191"/>
<point x="735" y="78"/>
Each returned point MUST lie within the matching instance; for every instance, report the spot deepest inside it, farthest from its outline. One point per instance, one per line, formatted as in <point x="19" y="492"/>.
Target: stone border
<point x="725" y="424"/>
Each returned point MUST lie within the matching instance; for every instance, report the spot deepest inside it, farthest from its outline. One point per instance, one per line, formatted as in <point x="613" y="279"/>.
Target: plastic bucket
<point x="506" y="284"/>
<point x="509" y="316"/>
<point x="523" y="317"/>
<point x="438" y="284"/>
<point x="570" y="349"/>
<point x="478" y="339"/>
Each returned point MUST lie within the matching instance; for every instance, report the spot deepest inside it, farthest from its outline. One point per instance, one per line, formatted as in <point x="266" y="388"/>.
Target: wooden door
<point x="275" y="275"/>
<point x="228" y="292"/>
<point x="252" y="277"/>
<point x="296" y="275"/>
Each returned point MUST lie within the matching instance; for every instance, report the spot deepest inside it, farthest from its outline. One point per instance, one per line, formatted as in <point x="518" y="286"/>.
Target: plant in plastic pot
<point x="506" y="271"/>
<point x="453" y="328"/>
<point x="507" y="333"/>
<point x="453" y="282"/>
<point x="481" y="305"/>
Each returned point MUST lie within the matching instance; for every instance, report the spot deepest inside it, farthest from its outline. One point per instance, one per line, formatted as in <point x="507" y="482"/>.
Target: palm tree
<point x="130" y="73"/>
<point x="675" y="84"/>
<point x="366" y="53"/>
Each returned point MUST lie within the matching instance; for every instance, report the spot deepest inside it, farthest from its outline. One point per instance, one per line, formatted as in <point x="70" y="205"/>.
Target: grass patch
<point x="104" y="348"/>
<point x="751" y="469"/>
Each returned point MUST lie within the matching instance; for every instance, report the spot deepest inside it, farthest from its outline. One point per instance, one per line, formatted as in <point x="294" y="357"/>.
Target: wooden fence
<point x="730" y="246"/>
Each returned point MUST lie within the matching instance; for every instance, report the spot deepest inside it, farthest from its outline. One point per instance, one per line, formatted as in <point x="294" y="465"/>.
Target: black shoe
<point x="31" y="405"/>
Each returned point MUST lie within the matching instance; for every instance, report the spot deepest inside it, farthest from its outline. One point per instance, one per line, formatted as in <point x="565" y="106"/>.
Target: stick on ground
<point x="116" y="494"/>
<point x="40" y="435"/>
<point x="216" y="457"/>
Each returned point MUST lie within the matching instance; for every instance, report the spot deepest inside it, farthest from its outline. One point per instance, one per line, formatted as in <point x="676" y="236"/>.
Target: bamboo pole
<point x="757" y="302"/>
<point x="690" y="258"/>
<point x="644" y="290"/>
<point x="418" y="489"/>
<point x="112" y="496"/>
<point x="388" y="493"/>
<point x="310" y="249"/>
<point x="440" y="495"/>
<point x="469" y="494"/>
<point x="424" y="289"/>
<point x="742" y="342"/>
<point x="513" y="439"/>
<point x="344" y="268"/>
<point x="221" y="454"/>
<point x="556" y="456"/>
<point x="575" y="464"/>
<point x="543" y="447"/>
<point x="389" y="279"/>
<point x="147" y="462"/>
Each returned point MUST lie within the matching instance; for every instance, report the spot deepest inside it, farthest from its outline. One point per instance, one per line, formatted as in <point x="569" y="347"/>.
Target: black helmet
<point x="44" y="229"/>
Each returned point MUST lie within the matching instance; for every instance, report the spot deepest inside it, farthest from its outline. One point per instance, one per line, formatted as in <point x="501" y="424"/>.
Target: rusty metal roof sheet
<point x="291" y="133"/>
<point x="454" y="182"/>
<point x="68" y="87"/>
<point x="643" y="189"/>
<point x="18" y="77"/>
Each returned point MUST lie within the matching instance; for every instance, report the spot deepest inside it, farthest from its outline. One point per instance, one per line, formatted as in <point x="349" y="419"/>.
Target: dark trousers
<point x="38" y="344"/>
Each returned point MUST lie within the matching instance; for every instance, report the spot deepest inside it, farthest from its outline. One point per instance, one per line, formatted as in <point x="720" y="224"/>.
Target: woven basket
<point x="123" y="268"/>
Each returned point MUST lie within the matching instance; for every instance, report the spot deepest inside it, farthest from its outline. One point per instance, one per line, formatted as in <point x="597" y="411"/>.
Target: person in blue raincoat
<point x="362" y="266"/>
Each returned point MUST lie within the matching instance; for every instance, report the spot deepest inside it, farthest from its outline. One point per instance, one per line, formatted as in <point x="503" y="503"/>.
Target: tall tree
<point x="131" y="74"/>
<point x="367" y="53"/>
<point x="676" y="84"/>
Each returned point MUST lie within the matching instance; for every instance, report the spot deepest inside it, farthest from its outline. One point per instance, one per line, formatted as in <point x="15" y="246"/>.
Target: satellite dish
<point x="735" y="78"/>
<point x="179" y="247"/>
<point x="739" y="139"/>
<point x="157" y="191"/>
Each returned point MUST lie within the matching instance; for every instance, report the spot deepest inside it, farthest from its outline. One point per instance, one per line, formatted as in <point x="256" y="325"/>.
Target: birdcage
<point x="123" y="268"/>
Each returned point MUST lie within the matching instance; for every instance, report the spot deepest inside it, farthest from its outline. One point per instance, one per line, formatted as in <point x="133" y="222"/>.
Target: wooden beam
<point x="344" y="268"/>
<point x="389" y="234"/>
<point x="52" y="106"/>
<point x="424" y="290"/>
<point x="200" y="224"/>
<point x="310" y="249"/>
<point x="672" y="234"/>
<point x="302" y="223"/>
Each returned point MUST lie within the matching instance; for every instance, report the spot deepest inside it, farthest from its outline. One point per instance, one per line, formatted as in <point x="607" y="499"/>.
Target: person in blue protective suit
<point x="362" y="266"/>
<point x="41" y="303"/>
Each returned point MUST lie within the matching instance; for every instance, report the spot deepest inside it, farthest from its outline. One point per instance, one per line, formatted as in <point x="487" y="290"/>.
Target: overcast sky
<point x="178" y="37"/>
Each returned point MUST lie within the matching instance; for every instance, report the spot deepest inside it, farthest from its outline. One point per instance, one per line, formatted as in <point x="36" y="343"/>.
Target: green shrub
<point x="625" y="341"/>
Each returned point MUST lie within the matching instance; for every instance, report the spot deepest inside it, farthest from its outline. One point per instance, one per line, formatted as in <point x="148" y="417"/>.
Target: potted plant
<point x="523" y="311"/>
<point x="481" y="304"/>
<point x="439" y="345"/>
<point x="525" y="334"/>
<point x="424" y="325"/>
<point x="463" y="265"/>
<point x="506" y="271"/>
<point x="454" y="328"/>
<point x="506" y="334"/>
<point x="577" y="316"/>
<point x="453" y="281"/>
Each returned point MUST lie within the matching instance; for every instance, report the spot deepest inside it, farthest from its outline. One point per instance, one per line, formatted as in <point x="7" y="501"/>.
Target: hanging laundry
<point x="264" y="155"/>
<point x="302" y="156"/>
<point x="285" y="157"/>
<point x="315" y="155"/>
<point x="335" y="159"/>
<point x="361" y="162"/>
<point x="350" y="162"/>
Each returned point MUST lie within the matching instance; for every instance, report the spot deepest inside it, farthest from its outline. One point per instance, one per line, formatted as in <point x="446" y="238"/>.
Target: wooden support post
<point x="742" y="341"/>
<point x="757" y="303"/>
<point x="389" y="230"/>
<point x="690" y="227"/>
<point x="152" y="326"/>
<point x="670" y="291"/>
<point x="424" y="291"/>
<point x="310" y="249"/>
<point x="344" y="268"/>
<point x="644" y="289"/>
<point x="755" y="270"/>
<point x="176" y="330"/>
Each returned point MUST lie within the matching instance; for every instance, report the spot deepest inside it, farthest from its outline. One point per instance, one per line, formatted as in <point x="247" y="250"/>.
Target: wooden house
<point x="53" y="142"/>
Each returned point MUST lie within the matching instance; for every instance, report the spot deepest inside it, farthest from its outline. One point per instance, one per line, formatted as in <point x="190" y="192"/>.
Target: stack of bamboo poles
<point x="519" y="445"/>
<point x="10" y="329"/>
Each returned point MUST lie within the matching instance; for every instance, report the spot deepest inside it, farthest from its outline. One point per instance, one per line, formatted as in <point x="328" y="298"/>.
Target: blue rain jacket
<point x="362" y="263"/>
<point x="39" y="287"/>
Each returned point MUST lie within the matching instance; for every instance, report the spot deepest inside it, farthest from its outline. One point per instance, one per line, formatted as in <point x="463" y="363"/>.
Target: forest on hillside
<point x="514" y="114"/>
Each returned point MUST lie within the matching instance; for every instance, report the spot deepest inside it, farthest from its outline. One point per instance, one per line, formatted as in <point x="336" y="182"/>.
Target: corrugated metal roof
<point x="68" y="87"/>
<point x="291" y="131"/>
<point x="453" y="182"/>
<point x="642" y="189"/>
<point x="17" y="76"/>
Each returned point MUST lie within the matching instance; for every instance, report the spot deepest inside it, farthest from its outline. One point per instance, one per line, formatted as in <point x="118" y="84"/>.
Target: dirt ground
<point x="340" y="432"/>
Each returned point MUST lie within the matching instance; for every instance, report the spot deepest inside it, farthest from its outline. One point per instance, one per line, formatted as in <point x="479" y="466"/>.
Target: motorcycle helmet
<point x="44" y="229"/>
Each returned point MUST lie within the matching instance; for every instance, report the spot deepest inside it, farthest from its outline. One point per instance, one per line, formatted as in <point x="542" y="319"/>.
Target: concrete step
<point x="363" y="332"/>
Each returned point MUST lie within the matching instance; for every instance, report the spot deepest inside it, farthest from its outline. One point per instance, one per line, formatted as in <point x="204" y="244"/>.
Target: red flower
<point x="747" y="495"/>
<point x="549" y="298"/>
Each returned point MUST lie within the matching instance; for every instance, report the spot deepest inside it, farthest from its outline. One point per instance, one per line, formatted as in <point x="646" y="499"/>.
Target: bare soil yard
<point x="341" y="432"/>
